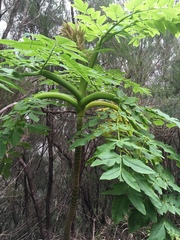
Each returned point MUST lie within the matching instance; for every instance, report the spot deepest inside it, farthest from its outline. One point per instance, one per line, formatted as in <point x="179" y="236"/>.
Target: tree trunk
<point x="75" y="182"/>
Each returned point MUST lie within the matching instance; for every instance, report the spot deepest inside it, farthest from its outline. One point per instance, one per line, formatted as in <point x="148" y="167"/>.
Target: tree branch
<point x="7" y="107"/>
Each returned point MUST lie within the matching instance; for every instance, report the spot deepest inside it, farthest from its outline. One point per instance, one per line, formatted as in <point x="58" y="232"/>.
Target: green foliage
<point x="130" y="156"/>
<point x="139" y="19"/>
<point x="134" y="159"/>
<point x="20" y="122"/>
<point x="8" y="78"/>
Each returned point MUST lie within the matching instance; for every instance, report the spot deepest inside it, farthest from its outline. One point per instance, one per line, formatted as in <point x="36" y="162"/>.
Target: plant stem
<point x="98" y="95"/>
<point x="102" y="104"/>
<point x="75" y="182"/>
<point x="58" y="79"/>
<point x="60" y="96"/>
<point x="62" y="82"/>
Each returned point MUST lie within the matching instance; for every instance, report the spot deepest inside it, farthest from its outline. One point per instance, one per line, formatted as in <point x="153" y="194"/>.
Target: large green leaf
<point x="170" y="204"/>
<point x="15" y="137"/>
<point x="158" y="232"/>
<point x="148" y="190"/>
<point x="5" y="167"/>
<point x="165" y="117"/>
<point x="151" y="211"/>
<point x="131" y="5"/>
<point x="80" y="5"/>
<point x="173" y="230"/>
<point x="6" y="81"/>
<point x="137" y="200"/>
<point x="137" y="220"/>
<point x="64" y="42"/>
<point x="118" y="189"/>
<point x="33" y="117"/>
<point x="38" y="128"/>
<point x="137" y="165"/>
<point x="5" y="88"/>
<point x="114" y="11"/>
<point x="2" y="148"/>
<point x="119" y="208"/>
<point x="111" y="173"/>
<point x="130" y="180"/>
<point x="105" y="147"/>
<point x="79" y="69"/>
<point x="108" y="158"/>
<point x="81" y="141"/>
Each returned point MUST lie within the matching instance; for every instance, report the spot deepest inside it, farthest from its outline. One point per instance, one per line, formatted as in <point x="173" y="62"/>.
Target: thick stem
<point x="60" y="96"/>
<point x="98" y="95"/>
<point x="77" y="94"/>
<point x="58" y="79"/>
<point x="104" y="104"/>
<point x="75" y="182"/>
